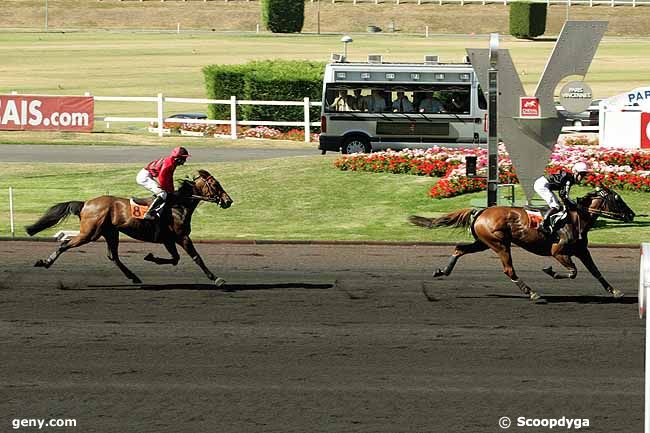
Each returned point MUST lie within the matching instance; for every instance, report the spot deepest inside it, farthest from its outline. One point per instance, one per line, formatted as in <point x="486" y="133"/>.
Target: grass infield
<point x="299" y="198"/>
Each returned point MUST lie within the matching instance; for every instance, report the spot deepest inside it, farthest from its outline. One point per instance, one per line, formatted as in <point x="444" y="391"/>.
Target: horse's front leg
<point x="187" y="244"/>
<point x="585" y="257"/>
<point x="567" y="263"/>
<point x="171" y="247"/>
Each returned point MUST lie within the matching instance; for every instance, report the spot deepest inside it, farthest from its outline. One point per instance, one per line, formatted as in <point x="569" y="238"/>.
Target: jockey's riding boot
<point x="546" y="226"/>
<point x="154" y="209"/>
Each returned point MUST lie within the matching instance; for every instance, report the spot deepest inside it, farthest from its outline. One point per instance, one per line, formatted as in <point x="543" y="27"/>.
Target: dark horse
<point x="107" y="216"/>
<point x="498" y="227"/>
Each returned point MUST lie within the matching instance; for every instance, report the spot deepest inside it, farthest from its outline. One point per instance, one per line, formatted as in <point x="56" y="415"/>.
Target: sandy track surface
<point x="315" y="338"/>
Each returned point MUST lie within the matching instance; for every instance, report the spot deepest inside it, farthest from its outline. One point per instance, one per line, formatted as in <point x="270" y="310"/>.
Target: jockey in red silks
<point x="158" y="177"/>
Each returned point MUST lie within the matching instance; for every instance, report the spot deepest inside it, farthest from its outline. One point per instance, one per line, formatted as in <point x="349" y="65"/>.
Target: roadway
<point x="138" y="154"/>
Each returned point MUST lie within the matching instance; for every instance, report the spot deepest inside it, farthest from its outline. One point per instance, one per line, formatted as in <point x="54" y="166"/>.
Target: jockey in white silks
<point x="561" y="182"/>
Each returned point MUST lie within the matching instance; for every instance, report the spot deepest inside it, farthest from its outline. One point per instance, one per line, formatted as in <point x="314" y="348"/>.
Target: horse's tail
<point x="54" y="215"/>
<point x="460" y="218"/>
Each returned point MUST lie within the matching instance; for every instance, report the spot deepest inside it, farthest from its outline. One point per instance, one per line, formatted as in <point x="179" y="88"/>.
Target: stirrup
<point x="152" y="215"/>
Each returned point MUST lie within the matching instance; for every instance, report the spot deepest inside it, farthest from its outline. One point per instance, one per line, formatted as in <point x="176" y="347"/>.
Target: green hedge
<point x="273" y="80"/>
<point x="223" y="81"/>
<point x="527" y="19"/>
<point x="283" y="16"/>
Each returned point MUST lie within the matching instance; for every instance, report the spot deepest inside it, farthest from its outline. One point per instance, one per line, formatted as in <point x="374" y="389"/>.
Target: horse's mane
<point x="185" y="188"/>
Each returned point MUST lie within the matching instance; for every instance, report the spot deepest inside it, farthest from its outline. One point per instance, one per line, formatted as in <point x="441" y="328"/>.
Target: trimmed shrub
<point x="527" y="19"/>
<point x="283" y="81"/>
<point x="283" y="16"/>
<point x="273" y="80"/>
<point x="221" y="82"/>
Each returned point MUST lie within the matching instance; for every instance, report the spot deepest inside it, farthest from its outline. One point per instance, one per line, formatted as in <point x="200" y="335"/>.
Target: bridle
<point x="216" y="197"/>
<point x="605" y="199"/>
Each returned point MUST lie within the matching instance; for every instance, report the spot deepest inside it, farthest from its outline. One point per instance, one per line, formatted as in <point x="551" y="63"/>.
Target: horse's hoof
<point x="149" y="257"/>
<point x="39" y="264"/>
<point x="548" y="271"/>
<point x="534" y="296"/>
<point x="219" y="282"/>
<point x="136" y="280"/>
<point x="617" y="293"/>
<point x="438" y="273"/>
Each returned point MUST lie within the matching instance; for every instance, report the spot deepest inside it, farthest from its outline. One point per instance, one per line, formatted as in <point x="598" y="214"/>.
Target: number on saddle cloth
<point x="138" y="210"/>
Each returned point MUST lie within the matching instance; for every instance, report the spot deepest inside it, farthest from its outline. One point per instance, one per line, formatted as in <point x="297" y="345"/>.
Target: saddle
<point x="139" y="206"/>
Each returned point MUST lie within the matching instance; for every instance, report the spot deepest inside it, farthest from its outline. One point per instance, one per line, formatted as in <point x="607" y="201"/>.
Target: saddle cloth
<point x="139" y="207"/>
<point x="534" y="218"/>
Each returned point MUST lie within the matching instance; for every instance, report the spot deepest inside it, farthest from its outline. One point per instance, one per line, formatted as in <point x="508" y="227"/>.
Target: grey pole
<point x="318" y="18"/>
<point x="493" y="141"/>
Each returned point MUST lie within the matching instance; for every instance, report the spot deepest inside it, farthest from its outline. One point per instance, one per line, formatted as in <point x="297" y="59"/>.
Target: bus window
<point x="482" y="102"/>
<point x="398" y="98"/>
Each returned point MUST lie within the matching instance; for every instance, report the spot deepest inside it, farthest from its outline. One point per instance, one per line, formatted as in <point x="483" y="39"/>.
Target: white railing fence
<point x="160" y="101"/>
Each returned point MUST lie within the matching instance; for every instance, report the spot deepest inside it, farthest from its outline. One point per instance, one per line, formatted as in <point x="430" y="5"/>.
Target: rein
<point x="204" y="198"/>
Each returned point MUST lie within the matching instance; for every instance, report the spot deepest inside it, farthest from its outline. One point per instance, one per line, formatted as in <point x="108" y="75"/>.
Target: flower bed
<point x="260" y="132"/>
<point x="615" y="168"/>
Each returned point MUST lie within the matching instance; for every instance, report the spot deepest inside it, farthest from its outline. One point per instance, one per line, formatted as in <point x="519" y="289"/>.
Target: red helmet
<point x="180" y="152"/>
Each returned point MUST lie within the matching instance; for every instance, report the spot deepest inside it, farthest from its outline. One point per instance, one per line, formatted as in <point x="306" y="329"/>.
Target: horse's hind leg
<point x="585" y="257"/>
<point x="112" y="242"/>
<point x="81" y="239"/>
<point x="171" y="247"/>
<point x="459" y="251"/>
<point x="567" y="263"/>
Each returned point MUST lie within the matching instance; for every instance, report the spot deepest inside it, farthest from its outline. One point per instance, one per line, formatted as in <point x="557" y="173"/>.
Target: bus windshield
<point x="397" y="98"/>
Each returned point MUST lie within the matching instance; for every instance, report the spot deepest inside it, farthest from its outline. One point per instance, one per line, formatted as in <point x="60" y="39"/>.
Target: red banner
<point x="46" y="113"/>
<point x="645" y="130"/>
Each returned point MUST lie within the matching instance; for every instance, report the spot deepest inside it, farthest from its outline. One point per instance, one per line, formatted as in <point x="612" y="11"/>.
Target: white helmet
<point x="580" y="167"/>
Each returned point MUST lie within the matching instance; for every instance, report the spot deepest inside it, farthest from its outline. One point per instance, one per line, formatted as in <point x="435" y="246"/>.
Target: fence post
<point x="307" y="121"/>
<point x="11" y="210"/>
<point x="161" y="117"/>
<point x="233" y="117"/>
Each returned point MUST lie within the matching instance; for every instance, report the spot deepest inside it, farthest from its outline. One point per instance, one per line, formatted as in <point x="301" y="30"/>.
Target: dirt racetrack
<point x="315" y="339"/>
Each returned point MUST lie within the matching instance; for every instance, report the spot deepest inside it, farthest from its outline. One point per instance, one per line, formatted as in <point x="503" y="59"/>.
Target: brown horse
<point x="107" y="216"/>
<point x="497" y="228"/>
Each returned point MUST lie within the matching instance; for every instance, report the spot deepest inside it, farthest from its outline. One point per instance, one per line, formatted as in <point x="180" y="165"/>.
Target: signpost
<point x="531" y="132"/>
<point x="493" y="139"/>
<point x="644" y="286"/>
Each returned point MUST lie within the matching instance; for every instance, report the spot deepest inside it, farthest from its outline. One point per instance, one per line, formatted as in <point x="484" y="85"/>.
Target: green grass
<point x="137" y="64"/>
<point x="296" y="198"/>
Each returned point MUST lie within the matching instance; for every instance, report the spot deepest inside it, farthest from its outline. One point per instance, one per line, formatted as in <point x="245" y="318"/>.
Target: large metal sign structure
<point x="529" y="127"/>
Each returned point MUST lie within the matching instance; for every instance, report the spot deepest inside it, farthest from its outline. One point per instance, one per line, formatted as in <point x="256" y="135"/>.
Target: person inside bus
<point x="402" y="104"/>
<point x="430" y="105"/>
<point x="344" y="102"/>
<point x="376" y="103"/>
<point x="360" y="101"/>
<point x="459" y="103"/>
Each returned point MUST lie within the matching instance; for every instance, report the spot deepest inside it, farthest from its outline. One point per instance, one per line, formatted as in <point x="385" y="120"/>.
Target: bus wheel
<point x="356" y="144"/>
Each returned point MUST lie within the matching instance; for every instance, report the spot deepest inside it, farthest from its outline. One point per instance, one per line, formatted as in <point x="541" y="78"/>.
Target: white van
<point x="376" y="106"/>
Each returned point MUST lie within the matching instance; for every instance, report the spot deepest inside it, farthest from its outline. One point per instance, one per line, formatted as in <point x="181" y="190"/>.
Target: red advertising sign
<point x="529" y="106"/>
<point x="645" y="130"/>
<point x="46" y="113"/>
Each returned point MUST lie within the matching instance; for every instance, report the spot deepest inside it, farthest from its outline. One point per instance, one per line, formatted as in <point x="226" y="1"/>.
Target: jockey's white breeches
<point x="541" y="187"/>
<point x="144" y="178"/>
